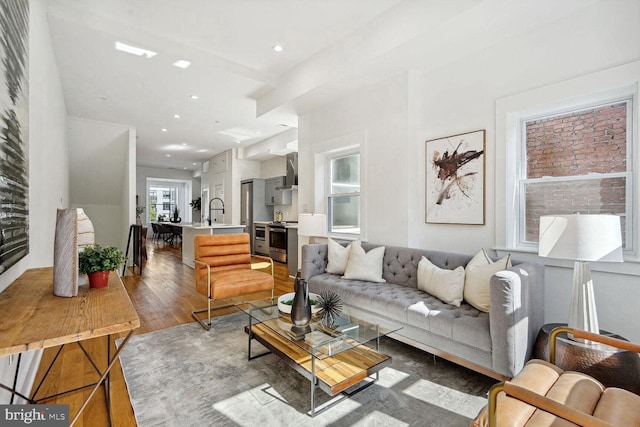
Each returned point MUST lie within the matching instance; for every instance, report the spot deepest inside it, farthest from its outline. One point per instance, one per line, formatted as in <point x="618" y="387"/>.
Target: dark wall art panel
<point x="14" y="132"/>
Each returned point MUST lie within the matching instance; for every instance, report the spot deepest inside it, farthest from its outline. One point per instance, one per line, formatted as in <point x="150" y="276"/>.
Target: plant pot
<point x="99" y="279"/>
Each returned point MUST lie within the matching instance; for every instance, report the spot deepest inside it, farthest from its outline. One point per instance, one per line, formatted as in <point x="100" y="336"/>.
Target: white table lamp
<point x="582" y="238"/>
<point x="312" y="225"/>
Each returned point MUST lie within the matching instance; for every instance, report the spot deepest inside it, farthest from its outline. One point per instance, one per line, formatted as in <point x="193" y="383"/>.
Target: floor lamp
<point x="582" y="238"/>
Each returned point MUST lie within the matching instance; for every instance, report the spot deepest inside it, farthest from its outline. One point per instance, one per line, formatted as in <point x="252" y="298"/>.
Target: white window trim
<point x="338" y="147"/>
<point x="184" y="186"/>
<point x="614" y="83"/>
<point x="329" y="156"/>
<point x="521" y="179"/>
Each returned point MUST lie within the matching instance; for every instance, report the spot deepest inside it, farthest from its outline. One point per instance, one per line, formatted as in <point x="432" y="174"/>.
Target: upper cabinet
<point x="270" y="189"/>
<point x="273" y="196"/>
<point x="219" y="163"/>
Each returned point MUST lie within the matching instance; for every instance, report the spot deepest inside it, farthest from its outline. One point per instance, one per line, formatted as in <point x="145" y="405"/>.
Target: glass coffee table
<point x="338" y="359"/>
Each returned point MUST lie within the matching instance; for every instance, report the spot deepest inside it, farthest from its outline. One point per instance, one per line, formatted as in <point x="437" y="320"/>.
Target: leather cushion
<point x="619" y="407"/>
<point x="233" y="283"/>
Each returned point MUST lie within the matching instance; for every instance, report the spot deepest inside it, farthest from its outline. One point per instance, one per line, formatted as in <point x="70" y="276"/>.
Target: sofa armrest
<point x="516" y="315"/>
<point x="314" y="260"/>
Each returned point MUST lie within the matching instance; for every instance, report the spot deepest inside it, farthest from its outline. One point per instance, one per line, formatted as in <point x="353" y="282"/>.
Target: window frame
<point x="520" y="180"/>
<point x="329" y="196"/>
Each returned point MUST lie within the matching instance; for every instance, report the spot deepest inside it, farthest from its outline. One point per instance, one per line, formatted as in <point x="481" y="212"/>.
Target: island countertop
<point x="191" y="230"/>
<point x="204" y="226"/>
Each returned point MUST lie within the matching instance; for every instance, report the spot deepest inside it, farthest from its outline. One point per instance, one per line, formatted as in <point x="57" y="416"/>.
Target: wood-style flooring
<point x="163" y="296"/>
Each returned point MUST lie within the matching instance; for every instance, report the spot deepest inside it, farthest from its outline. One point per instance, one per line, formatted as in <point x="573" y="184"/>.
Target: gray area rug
<point x="186" y="376"/>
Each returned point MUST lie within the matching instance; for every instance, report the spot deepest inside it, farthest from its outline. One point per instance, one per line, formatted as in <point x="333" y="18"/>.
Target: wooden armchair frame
<point x="548" y="405"/>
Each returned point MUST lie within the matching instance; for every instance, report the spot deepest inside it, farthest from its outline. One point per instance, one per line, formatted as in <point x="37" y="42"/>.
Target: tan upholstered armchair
<point x="544" y="395"/>
<point x="223" y="270"/>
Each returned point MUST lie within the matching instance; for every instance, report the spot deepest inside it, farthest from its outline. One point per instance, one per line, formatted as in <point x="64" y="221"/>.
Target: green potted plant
<point x="97" y="262"/>
<point x="196" y="204"/>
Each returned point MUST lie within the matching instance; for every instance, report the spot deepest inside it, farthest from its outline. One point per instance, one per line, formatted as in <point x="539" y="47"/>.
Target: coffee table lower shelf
<point x="340" y="373"/>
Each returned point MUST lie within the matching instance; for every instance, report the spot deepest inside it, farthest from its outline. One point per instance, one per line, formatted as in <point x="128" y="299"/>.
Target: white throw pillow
<point x="364" y="266"/>
<point x="446" y="285"/>
<point x="477" y="279"/>
<point x="337" y="257"/>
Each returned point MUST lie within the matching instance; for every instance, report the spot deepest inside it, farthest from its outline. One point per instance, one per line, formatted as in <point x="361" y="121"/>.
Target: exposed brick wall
<point x="576" y="144"/>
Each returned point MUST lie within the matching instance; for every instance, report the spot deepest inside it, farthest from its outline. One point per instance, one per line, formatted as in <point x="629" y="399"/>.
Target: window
<point x="162" y="201"/>
<point x="344" y="193"/>
<point x="576" y="162"/>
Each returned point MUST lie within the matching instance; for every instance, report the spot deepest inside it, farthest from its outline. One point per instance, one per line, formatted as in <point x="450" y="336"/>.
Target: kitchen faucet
<point x="211" y="209"/>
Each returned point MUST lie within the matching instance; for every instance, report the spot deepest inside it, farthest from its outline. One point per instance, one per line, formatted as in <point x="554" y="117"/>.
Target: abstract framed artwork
<point x="14" y="132"/>
<point x="455" y="179"/>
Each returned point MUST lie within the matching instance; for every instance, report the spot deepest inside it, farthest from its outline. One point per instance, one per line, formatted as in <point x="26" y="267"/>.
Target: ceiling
<point x="247" y="92"/>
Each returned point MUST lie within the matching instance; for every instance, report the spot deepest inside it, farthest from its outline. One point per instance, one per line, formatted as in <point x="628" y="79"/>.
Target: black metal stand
<point x="135" y="233"/>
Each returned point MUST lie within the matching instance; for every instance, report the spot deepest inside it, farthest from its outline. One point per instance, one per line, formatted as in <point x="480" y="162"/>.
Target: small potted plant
<point x="97" y="262"/>
<point x="196" y="204"/>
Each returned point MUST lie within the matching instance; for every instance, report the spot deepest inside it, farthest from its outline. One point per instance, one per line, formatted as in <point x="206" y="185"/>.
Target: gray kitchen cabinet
<point x="270" y="190"/>
<point x="292" y="250"/>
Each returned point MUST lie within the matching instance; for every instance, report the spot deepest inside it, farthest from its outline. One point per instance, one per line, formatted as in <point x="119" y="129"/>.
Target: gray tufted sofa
<point x="496" y="344"/>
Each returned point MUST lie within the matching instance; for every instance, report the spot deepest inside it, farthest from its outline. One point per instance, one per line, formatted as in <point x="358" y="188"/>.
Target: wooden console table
<point x="33" y="318"/>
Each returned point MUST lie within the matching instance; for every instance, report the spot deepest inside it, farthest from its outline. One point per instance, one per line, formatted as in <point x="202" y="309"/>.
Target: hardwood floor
<point x="163" y="296"/>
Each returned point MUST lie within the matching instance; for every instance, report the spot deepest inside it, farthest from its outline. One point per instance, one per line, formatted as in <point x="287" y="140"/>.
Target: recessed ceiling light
<point x="194" y="164"/>
<point x="168" y="155"/>
<point x="257" y="132"/>
<point x="202" y="150"/>
<point x="176" y="116"/>
<point x="185" y="167"/>
<point x="138" y="51"/>
<point x="237" y="142"/>
<point x="194" y="96"/>
<point x="278" y="48"/>
<point x="163" y="129"/>
<point x="182" y="64"/>
<point x="184" y="144"/>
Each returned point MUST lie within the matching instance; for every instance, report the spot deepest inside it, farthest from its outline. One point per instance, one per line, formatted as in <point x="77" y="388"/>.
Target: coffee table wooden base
<point x="336" y="374"/>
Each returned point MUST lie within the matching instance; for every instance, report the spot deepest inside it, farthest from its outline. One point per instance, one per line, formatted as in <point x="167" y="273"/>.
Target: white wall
<point x="271" y="168"/>
<point x="376" y="116"/>
<point x="99" y="171"/>
<point x="398" y="115"/>
<point x="128" y="213"/>
<point x="48" y="171"/>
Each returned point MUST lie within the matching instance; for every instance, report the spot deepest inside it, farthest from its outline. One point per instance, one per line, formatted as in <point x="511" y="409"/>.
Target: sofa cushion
<point x="364" y="265"/>
<point x="477" y="277"/>
<point x="465" y="324"/>
<point x="447" y="285"/>
<point x="337" y="257"/>
<point x="385" y="298"/>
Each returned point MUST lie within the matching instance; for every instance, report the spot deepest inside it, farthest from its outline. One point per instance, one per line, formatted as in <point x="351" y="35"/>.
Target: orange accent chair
<point x="544" y="395"/>
<point x="223" y="269"/>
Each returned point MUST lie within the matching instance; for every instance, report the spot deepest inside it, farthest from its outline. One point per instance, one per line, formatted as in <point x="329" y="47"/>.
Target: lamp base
<point x="582" y="312"/>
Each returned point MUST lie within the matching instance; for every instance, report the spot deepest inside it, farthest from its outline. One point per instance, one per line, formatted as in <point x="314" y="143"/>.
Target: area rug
<point x="186" y="376"/>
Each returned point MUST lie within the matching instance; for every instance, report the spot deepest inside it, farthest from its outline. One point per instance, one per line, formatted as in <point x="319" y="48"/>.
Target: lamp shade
<point x="312" y="225"/>
<point x="581" y="237"/>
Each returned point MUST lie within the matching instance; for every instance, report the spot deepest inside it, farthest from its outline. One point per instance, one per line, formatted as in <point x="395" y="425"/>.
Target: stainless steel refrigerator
<point x="252" y="206"/>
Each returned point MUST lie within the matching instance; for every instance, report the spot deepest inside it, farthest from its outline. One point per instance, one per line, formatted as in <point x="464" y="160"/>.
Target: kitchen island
<point x="190" y="230"/>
